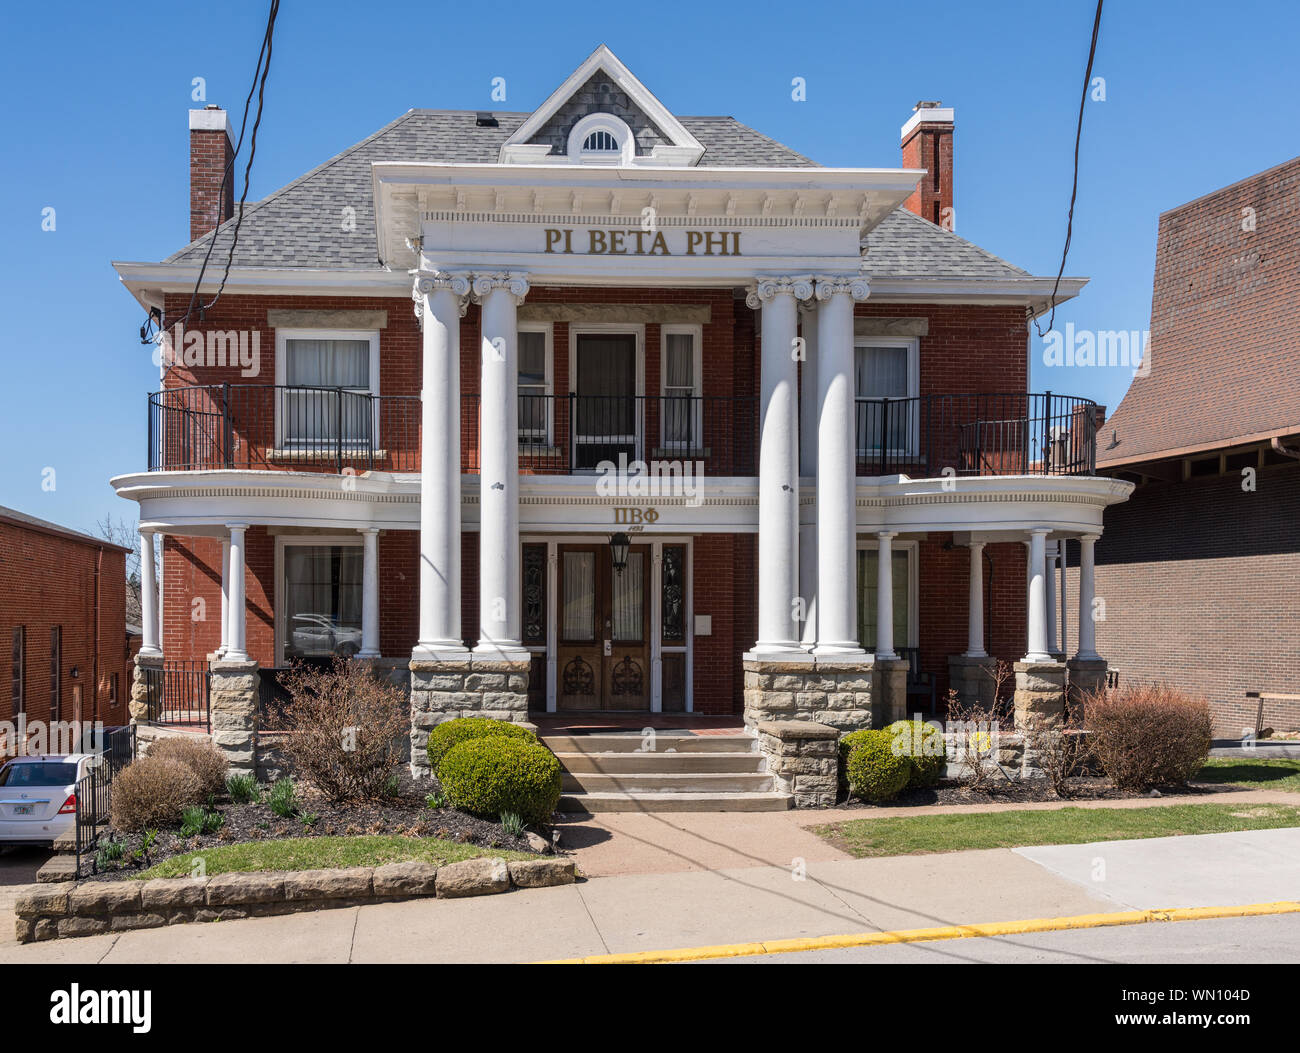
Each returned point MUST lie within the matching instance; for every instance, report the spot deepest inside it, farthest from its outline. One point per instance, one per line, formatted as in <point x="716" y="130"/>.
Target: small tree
<point x="345" y="728"/>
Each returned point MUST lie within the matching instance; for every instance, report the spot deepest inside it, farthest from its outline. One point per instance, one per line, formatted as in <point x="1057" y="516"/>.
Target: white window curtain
<point x="316" y="417"/>
<point x="679" y="381"/>
<point x="322" y="604"/>
<point x="578" y="621"/>
<point x="628" y="600"/>
<point x="881" y="373"/>
<point x="533" y="414"/>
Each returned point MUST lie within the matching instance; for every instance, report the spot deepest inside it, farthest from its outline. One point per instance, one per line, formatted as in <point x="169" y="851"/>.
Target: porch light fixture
<point x="618" y="546"/>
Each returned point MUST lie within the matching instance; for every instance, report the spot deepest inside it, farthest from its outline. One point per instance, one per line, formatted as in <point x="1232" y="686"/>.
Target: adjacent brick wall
<point x="1199" y="579"/>
<point x="48" y="579"/>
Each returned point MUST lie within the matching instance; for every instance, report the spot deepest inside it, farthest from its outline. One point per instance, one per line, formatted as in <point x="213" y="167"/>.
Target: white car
<point x="318" y="634"/>
<point x="38" y="797"/>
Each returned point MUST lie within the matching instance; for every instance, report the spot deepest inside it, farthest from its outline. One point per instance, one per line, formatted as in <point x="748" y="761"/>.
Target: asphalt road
<point x="1273" y="940"/>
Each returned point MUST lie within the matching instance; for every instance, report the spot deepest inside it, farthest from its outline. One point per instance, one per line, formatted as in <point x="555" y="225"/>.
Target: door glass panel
<point x="628" y="607"/>
<point x="578" y="620"/>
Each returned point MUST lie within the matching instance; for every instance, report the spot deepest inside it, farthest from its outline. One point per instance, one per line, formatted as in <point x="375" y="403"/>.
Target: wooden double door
<point x="603" y="621"/>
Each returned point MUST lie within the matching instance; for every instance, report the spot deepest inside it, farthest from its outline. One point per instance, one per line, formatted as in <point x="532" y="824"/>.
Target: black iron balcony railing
<point x="337" y="429"/>
<point x="982" y="434"/>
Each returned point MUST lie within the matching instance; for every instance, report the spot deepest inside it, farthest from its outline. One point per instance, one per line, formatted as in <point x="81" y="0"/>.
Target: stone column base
<point x="1086" y="676"/>
<point x="890" y="691"/>
<point x="973" y="679"/>
<point x="471" y="687"/>
<point x="803" y="759"/>
<point x="821" y="691"/>
<point x="232" y="702"/>
<point x="148" y="667"/>
<point x="1039" y="701"/>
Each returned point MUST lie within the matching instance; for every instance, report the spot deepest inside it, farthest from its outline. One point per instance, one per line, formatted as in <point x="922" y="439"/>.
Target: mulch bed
<point x="1029" y="791"/>
<point x="404" y="814"/>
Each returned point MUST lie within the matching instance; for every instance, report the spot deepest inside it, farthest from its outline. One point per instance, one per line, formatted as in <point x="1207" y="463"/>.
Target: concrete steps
<point x="674" y="772"/>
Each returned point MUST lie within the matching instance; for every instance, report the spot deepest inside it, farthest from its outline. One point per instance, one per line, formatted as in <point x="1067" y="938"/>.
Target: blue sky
<point x="94" y="126"/>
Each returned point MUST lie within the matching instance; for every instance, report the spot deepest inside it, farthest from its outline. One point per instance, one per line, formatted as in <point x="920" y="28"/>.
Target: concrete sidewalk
<point x="696" y="907"/>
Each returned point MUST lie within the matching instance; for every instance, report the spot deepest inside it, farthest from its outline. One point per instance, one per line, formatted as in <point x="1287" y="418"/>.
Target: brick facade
<point x="51" y="579"/>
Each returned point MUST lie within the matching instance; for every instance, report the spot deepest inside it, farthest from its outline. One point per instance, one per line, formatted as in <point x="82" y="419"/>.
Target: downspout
<point x="94" y="658"/>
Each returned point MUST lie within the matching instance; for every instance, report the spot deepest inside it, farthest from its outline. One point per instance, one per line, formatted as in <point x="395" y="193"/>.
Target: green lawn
<point x="1275" y="774"/>
<point x="912" y="835"/>
<point x="321" y="853"/>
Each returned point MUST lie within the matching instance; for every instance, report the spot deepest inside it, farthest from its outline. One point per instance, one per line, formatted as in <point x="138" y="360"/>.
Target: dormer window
<point x="601" y="139"/>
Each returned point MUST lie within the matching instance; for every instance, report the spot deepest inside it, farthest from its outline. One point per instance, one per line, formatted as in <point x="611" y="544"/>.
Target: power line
<point x="1074" y="187"/>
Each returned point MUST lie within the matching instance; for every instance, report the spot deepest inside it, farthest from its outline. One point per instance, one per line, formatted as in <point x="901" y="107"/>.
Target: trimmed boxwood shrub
<point x="922" y="744"/>
<point x="442" y="737"/>
<point x="492" y="775"/>
<point x="876" y="773"/>
<point x="846" y="747"/>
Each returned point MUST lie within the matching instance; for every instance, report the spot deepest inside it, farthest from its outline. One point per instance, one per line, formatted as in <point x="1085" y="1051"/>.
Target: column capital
<point x="513" y="282"/>
<point x="976" y="546"/>
<point x="232" y="527"/>
<point x="367" y="530"/>
<point x="886" y="535"/>
<point x="857" y="286"/>
<point x="1039" y="530"/>
<point x="765" y="290"/>
<point x="428" y="282"/>
<point x="1090" y="538"/>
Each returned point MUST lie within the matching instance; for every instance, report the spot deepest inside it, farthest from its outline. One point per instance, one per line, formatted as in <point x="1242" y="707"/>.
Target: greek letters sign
<point x="635" y="241"/>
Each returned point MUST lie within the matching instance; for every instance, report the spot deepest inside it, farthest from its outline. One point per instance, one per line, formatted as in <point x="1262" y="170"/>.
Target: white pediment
<point x="677" y="148"/>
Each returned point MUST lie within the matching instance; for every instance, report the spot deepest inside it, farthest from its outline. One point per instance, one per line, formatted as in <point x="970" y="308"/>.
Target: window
<point x="680" y="367"/>
<point x="599" y="142"/>
<point x="868" y="595"/>
<point x="886" y="370"/>
<point x="322" y="600"/>
<point x="18" y="677"/>
<point x="534" y="384"/>
<point x="601" y="139"/>
<point x="326" y="379"/>
<point x="56" y="672"/>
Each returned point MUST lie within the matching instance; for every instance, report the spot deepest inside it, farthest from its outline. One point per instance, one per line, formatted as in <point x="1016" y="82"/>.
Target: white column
<point x="149" y="643"/>
<point x="808" y="414"/>
<point x="440" y="301"/>
<point x="236" y="651"/>
<point x="1053" y="637"/>
<point x="369" y="593"/>
<point x="500" y="584"/>
<point x="975" y="607"/>
<point x="1087" y="590"/>
<point x="837" y="539"/>
<point x="1037" y="634"/>
<point x="778" y="465"/>
<point x="225" y="597"/>
<point x="885" y="595"/>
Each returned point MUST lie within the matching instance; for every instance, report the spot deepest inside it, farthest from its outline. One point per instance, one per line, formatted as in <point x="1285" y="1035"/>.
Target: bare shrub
<point x="1146" y="735"/>
<point x="152" y="792"/>
<point x="203" y="758"/>
<point x="974" y="728"/>
<point x="346" y="727"/>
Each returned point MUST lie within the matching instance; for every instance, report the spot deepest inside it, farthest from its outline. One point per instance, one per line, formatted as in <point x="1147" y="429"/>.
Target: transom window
<point x="599" y="142"/>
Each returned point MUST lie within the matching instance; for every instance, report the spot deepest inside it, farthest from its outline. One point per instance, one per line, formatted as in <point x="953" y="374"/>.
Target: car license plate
<point x="24" y="809"/>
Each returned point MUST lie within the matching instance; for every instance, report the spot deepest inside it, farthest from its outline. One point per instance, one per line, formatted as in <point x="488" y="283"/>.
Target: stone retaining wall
<point x="474" y="688"/>
<point x="89" y="908"/>
<point x="803" y="758"/>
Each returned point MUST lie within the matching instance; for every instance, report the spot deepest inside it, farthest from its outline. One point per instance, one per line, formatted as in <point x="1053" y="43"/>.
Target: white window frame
<point x="913" y="549"/>
<point x="636" y="330"/>
<point x="282" y="338"/>
<point x="912" y="345"/>
<point x="696" y="333"/>
<point x="601" y="122"/>
<point x="548" y="332"/>
<point x="281" y="584"/>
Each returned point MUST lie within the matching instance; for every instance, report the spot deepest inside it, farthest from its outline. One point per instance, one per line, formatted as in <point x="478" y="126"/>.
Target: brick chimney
<point x="211" y="151"/>
<point x="927" y="143"/>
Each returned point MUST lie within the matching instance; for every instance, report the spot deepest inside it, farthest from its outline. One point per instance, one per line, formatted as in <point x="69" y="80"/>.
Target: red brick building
<point x="1205" y="556"/>
<point x="669" y="393"/>
<point x="66" y="653"/>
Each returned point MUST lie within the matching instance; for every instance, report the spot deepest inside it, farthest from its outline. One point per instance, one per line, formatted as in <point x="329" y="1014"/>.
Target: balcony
<point x="263" y="426"/>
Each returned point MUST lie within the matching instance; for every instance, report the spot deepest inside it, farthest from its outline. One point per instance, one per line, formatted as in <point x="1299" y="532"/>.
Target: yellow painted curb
<point x="945" y="932"/>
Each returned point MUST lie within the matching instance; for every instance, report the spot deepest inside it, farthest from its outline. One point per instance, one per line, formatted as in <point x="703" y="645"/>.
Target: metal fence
<point x="116" y="748"/>
<point x="177" y="694"/>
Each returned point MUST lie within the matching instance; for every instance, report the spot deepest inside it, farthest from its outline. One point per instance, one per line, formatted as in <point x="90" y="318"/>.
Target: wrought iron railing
<point x="177" y="694"/>
<point x="980" y="434"/>
<point x="116" y="748"/>
<point x="280" y="426"/>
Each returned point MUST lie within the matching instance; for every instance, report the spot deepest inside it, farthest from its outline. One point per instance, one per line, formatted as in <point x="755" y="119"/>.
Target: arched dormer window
<point x="601" y="139"/>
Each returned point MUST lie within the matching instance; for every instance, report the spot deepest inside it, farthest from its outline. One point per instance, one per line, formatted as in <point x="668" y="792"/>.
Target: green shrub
<point x="242" y="788"/>
<point x="153" y="792"/>
<point x="490" y="776"/>
<point x="206" y="761"/>
<point x="875" y="772"/>
<point x="922" y="744"/>
<point x="847" y="743"/>
<point x="283" y="798"/>
<point x="453" y="732"/>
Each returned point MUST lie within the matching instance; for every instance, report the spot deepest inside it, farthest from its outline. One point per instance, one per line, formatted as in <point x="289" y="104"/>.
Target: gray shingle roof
<point x="300" y="225"/>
